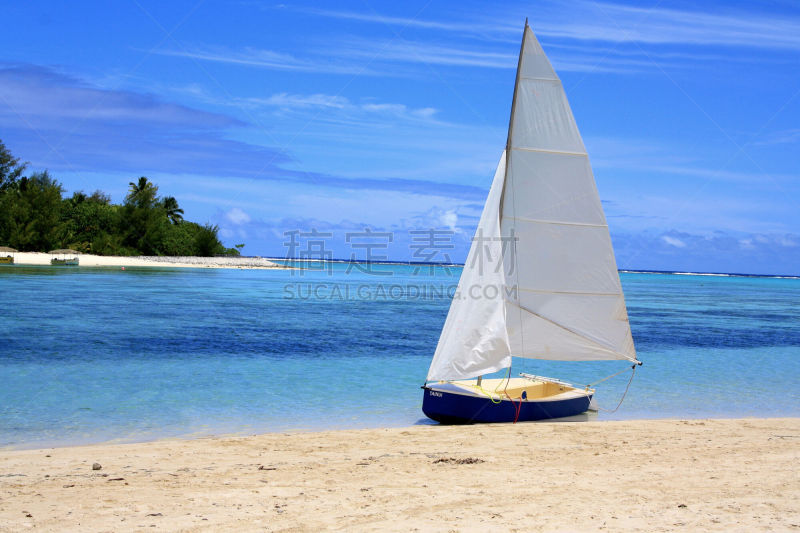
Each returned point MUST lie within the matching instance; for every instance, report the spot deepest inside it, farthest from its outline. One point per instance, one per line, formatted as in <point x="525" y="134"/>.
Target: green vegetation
<point x="34" y="217"/>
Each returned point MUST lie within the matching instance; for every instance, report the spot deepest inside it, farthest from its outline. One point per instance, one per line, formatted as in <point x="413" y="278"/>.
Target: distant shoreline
<point x="89" y="260"/>
<point x="461" y="265"/>
<point x="712" y="274"/>
<point x="253" y="262"/>
<point x="359" y="261"/>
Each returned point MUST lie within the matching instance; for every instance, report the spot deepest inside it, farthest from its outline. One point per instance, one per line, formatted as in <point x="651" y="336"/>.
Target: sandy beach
<point x="88" y="260"/>
<point x="654" y="475"/>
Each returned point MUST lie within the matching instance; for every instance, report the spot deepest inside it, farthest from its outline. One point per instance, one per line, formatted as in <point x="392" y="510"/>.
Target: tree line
<point x="36" y="217"/>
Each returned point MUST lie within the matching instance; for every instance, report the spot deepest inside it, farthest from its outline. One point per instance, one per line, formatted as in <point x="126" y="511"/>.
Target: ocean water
<point x="96" y="355"/>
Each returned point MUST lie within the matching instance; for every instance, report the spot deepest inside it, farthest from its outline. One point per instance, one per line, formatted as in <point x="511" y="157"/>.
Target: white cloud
<point x="297" y="102"/>
<point x="449" y="219"/>
<point x="655" y="156"/>
<point x="609" y="23"/>
<point x="716" y="174"/>
<point x="426" y="52"/>
<point x="425" y="112"/>
<point x="269" y="59"/>
<point x="672" y="241"/>
<point x="302" y="101"/>
<point x="415" y="22"/>
<point x="393" y="108"/>
<point x="789" y="241"/>
<point x="623" y="23"/>
<point x="237" y="216"/>
<point x="790" y="136"/>
<point x="753" y="253"/>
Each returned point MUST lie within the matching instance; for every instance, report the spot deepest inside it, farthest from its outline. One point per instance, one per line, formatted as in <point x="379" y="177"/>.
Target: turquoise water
<point x="92" y="355"/>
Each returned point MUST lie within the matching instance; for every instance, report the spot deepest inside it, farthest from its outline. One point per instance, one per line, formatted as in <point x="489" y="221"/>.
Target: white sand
<point x="88" y="260"/>
<point x="651" y="475"/>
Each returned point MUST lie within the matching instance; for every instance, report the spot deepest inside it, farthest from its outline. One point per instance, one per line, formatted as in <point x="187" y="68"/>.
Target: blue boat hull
<point x="452" y="408"/>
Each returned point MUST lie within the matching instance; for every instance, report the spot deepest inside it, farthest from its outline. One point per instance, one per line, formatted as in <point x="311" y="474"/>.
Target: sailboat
<point x="540" y="280"/>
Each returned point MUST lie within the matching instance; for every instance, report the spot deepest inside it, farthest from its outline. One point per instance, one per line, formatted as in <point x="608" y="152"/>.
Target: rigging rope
<point x="517" y="406"/>
<point x="489" y="394"/>
<point x="633" y="373"/>
<point x="499" y="400"/>
<point x="590" y="385"/>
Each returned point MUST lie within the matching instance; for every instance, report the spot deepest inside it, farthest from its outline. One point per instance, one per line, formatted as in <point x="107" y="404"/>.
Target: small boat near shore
<point x="504" y="400"/>
<point x="68" y="257"/>
<point x="540" y="280"/>
<point x="6" y="258"/>
<point x="72" y="261"/>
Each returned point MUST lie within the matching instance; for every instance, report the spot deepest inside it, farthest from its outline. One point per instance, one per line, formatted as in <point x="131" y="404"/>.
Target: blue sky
<point x="265" y="118"/>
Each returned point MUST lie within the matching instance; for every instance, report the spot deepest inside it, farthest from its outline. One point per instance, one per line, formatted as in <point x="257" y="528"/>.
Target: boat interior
<point x="516" y="388"/>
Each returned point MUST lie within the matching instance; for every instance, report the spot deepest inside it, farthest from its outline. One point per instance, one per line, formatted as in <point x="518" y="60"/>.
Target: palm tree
<point x="139" y="186"/>
<point x="142" y="193"/>
<point x="10" y="168"/>
<point x="174" y="212"/>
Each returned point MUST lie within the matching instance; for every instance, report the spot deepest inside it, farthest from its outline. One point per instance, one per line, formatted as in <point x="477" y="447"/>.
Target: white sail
<point x="561" y="298"/>
<point x="474" y="339"/>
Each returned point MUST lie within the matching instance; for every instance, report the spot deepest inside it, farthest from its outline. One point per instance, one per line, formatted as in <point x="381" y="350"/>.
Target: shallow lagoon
<point x="93" y="355"/>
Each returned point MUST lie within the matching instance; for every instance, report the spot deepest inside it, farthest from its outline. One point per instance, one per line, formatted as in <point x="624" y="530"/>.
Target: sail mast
<point x="508" y="162"/>
<point x="513" y="107"/>
<point x="514" y="98"/>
